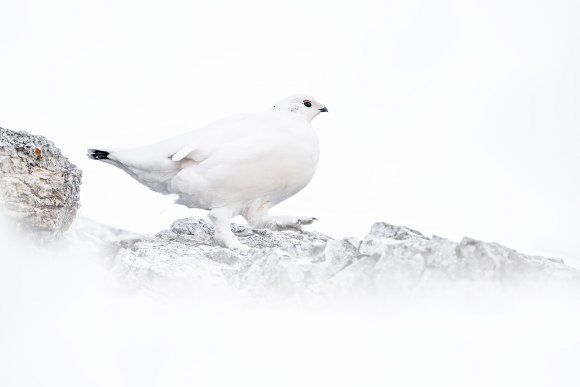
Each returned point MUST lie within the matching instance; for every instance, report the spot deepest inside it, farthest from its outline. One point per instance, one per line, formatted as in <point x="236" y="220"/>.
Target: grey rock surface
<point x="39" y="187"/>
<point x="292" y="263"/>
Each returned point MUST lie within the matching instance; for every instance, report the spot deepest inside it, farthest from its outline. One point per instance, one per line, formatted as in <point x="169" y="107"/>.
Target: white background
<point x="452" y="117"/>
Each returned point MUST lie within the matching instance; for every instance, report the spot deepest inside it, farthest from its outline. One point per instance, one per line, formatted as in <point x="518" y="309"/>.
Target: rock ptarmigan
<point x="240" y="165"/>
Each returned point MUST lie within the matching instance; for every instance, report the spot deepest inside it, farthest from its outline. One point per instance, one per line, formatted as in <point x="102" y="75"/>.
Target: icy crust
<point x="290" y="263"/>
<point x="39" y="187"/>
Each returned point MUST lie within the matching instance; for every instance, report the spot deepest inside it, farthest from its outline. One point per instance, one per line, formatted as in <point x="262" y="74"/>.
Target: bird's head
<point x="302" y="104"/>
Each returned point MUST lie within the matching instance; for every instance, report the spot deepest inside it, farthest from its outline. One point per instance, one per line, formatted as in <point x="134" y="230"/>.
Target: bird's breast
<point x="291" y="167"/>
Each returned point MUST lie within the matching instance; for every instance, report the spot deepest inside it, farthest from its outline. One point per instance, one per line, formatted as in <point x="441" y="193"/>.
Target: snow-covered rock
<point x="291" y="263"/>
<point x="39" y="187"/>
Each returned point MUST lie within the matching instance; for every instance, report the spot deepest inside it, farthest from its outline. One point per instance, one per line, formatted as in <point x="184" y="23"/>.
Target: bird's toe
<point x="307" y="220"/>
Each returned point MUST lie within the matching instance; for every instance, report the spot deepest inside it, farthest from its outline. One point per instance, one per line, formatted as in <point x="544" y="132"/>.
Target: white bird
<point x="240" y="165"/>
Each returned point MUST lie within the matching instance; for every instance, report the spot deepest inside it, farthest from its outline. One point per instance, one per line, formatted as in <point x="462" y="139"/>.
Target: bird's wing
<point x="184" y="152"/>
<point x="196" y="145"/>
<point x="201" y="143"/>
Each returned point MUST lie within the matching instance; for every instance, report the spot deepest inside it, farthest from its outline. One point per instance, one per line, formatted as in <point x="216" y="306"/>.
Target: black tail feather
<point x="96" y="154"/>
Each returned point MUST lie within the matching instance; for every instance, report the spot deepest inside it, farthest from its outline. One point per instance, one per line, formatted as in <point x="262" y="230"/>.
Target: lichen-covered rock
<point x="39" y="187"/>
<point x="290" y="263"/>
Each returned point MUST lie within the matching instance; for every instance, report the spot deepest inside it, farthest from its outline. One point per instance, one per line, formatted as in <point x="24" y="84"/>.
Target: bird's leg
<point x="261" y="219"/>
<point x="221" y="217"/>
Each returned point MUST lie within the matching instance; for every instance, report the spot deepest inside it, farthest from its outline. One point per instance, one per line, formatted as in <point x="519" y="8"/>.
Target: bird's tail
<point x="152" y="172"/>
<point x="96" y="154"/>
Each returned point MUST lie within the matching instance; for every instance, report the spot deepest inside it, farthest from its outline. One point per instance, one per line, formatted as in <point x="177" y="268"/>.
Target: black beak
<point x="323" y="109"/>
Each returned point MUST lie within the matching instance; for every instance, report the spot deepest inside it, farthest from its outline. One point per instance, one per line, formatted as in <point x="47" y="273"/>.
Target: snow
<point x="74" y="312"/>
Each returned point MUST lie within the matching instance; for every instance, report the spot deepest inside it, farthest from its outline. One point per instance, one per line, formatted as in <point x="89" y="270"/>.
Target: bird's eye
<point x="307" y="103"/>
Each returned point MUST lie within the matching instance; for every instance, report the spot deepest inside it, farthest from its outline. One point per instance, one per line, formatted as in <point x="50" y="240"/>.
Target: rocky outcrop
<point x="286" y="263"/>
<point x="39" y="187"/>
